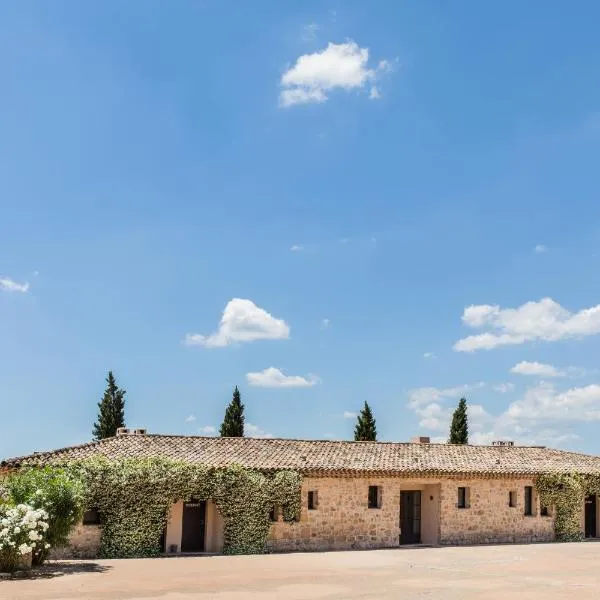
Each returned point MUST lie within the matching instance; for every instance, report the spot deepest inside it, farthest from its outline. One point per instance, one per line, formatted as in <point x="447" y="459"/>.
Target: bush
<point x="57" y="492"/>
<point x="22" y="531"/>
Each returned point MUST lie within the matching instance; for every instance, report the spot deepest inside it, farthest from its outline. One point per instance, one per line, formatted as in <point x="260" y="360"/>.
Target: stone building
<point x="357" y="494"/>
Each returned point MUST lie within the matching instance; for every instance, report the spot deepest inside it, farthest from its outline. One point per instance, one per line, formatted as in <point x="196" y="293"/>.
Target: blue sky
<point x="350" y="189"/>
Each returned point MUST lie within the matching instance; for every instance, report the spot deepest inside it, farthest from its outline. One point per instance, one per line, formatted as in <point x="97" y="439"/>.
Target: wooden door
<point x="590" y="516"/>
<point x="193" y="526"/>
<point x="410" y="517"/>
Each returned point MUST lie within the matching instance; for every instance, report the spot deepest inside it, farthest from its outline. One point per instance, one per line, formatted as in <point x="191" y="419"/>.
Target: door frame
<point x="201" y="539"/>
<point x="590" y="522"/>
<point x="417" y="507"/>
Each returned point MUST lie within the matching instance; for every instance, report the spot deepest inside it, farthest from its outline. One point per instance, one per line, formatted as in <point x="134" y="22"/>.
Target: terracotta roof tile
<point x="322" y="457"/>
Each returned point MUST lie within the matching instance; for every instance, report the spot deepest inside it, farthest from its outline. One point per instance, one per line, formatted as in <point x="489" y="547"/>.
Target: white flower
<point x="5" y="522"/>
<point x="24" y="549"/>
<point x="46" y="545"/>
<point x="17" y="529"/>
<point x="4" y="533"/>
<point x="34" y="535"/>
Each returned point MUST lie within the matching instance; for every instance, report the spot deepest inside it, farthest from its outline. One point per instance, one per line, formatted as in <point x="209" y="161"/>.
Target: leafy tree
<point x="233" y="423"/>
<point x="111" y="410"/>
<point x="459" y="429"/>
<point x="365" y="430"/>
<point x="55" y="490"/>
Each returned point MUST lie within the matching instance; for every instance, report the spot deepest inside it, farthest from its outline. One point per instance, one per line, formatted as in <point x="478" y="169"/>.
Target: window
<point x="528" y="501"/>
<point x="544" y="511"/>
<point x="374" y="496"/>
<point x="274" y="514"/>
<point x="91" y="517"/>
<point x="313" y="500"/>
<point x="512" y="499"/>
<point x="463" y="497"/>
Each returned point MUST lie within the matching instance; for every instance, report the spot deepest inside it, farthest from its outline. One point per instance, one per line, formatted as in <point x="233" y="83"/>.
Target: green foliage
<point x="233" y="423"/>
<point x="134" y="497"/>
<point x="111" y="410"/>
<point x="365" y="430"/>
<point x="54" y="490"/>
<point x="566" y="492"/>
<point x="459" y="429"/>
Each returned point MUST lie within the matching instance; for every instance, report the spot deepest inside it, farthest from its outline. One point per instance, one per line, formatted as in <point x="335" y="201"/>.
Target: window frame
<point x="312" y="500"/>
<point x="528" y="502"/>
<point x="374" y="490"/>
<point x="512" y="499"/>
<point x="462" y="503"/>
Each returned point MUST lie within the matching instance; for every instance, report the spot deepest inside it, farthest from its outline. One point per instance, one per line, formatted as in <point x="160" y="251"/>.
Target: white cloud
<point x="297" y="248"/>
<point x="9" y="285"/>
<point x="545" y="320"/>
<point x="429" y="355"/>
<point x="325" y="323"/>
<point x="374" y="94"/>
<point x="254" y="431"/>
<point x="348" y="414"/>
<point x="536" y="368"/>
<point x="540" y="248"/>
<point x="242" y="321"/>
<point x="543" y="402"/>
<point x="274" y="378"/>
<point x="425" y="395"/>
<point x="190" y="419"/>
<point x="504" y="388"/>
<point x="338" y="66"/>
<point x="208" y="430"/>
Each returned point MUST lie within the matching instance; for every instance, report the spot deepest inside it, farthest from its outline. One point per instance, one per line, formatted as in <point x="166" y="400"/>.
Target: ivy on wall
<point x="134" y="497"/>
<point x="566" y="492"/>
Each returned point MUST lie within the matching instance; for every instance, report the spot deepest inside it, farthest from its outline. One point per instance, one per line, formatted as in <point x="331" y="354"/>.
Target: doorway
<point x="590" y="517"/>
<point x="193" y="526"/>
<point x="410" y="517"/>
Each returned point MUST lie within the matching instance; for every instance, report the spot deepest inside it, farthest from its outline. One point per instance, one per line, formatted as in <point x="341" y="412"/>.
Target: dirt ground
<point x="491" y="572"/>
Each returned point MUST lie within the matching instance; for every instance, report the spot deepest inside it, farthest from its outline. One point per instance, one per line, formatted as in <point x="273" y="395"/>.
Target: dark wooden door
<point x="193" y="526"/>
<point x="590" y="516"/>
<point x="410" y="517"/>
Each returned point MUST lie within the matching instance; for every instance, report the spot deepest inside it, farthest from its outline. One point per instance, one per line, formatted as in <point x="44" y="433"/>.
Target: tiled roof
<point x="319" y="457"/>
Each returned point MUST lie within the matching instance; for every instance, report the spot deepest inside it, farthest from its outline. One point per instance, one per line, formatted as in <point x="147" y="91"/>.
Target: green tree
<point x="365" y="430"/>
<point x="111" y="410"/>
<point x="55" y="490"/>
<point x="459" y="429"/>
<point x="233" y="423"/>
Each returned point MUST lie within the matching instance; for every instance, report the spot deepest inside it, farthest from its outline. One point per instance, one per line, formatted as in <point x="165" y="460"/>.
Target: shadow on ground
<point x="53" y="569"/>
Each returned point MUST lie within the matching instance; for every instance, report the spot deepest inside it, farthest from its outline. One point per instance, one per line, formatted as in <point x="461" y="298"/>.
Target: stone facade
<point x="343" y="520"/>
<point x="84" y="542"/>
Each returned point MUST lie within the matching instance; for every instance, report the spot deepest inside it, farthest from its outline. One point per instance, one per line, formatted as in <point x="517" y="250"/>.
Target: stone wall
<point x="343" y="520"/>
<point x="489" y="518"/>
<point x="84" y="542"/>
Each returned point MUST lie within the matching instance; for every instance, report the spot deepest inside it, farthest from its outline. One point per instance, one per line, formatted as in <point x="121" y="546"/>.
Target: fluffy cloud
<point x="254" y="431"/>
<point x="545" y="320"/>
<point x="9" y="285"/>
<point x="543" y="402"/>
<point x="297" y="248"/>
<point x="540" y="249"/>
<point x="274" y="378"/>
<point x="242" y="321"/>
<point x="190" y="419"/>
<point x="208" y="430"/>
<point x="536" y="368"/>
<point x="338" y="66"/>
<point x="350" y="415"/>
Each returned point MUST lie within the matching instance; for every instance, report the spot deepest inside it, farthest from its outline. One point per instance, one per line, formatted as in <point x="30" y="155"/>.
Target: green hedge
<point x="134" y="498"/>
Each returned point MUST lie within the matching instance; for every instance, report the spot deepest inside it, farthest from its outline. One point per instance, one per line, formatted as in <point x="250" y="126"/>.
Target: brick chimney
<point x="421" y="439"/>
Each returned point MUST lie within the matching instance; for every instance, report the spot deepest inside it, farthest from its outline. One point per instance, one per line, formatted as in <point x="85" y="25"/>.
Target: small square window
<point x="528" y="501"/>
<point x="91" y="517"/>
<point x="463" y="497"/>
<point x="512" y="499"/>
<point x="544" y="511"/>
<point x="313" y="500"/>
<point x="374" y="496"/>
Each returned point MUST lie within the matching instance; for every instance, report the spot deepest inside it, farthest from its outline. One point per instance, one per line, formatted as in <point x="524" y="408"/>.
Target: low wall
<point x="84" y="542"/>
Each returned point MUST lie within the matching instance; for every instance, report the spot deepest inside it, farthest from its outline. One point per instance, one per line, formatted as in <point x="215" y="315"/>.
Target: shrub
<point x="22" y="531"/>
<point x="55" y="490"/>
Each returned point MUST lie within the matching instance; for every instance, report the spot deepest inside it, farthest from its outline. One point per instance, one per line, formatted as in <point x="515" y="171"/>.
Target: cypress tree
<point x="111" y="410"/>
<point x="233" y="423"/>
<point x="459" y="429"/>
<point x="365" y="430"/>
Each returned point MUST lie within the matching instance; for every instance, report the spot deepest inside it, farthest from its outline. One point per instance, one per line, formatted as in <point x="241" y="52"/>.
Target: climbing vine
<point x="134" y="497"/>
<point x="566" y="492"/>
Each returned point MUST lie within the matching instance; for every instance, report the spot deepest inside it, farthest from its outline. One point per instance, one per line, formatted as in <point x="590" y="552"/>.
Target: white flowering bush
<point x="22" y="531"/>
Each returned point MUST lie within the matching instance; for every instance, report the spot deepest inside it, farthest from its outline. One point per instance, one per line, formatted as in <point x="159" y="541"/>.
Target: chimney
<point x="503" y="443"/>
<point x="421" y="439"/>
<point x="122" y="431"/>
<point x="140" y="431"/>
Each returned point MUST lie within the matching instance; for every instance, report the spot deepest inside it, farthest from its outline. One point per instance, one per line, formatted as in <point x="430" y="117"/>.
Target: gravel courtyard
<point x="491" y="572"/>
